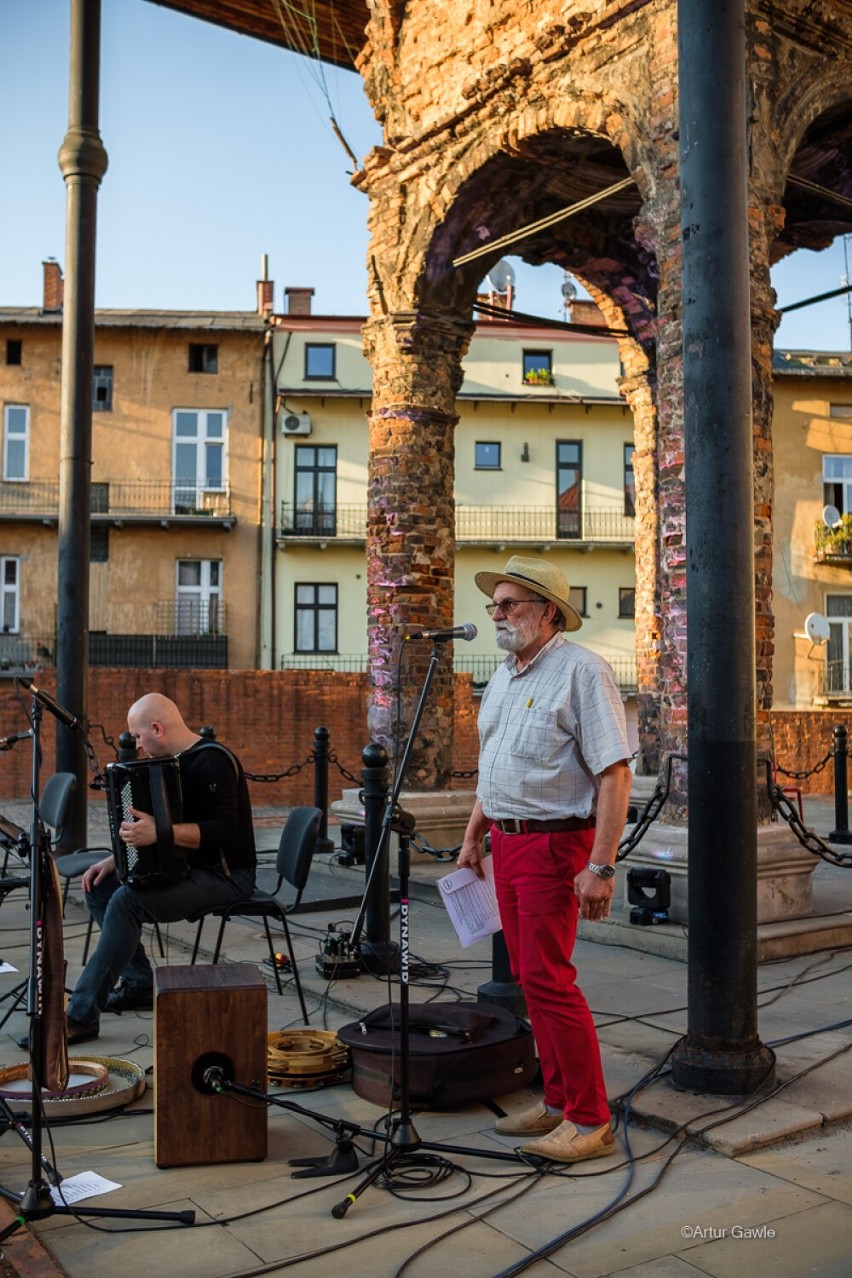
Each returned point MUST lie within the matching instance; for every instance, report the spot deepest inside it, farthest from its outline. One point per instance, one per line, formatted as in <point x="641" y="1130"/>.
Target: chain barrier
<point x="803" y="776"/>
<point x="439" y="854"/>
<point x="465" y="775"/>
<point x="98" y="781"/>
<point x="810" y="842"/>
<point x="650" y="812"/>
<point x="267" y="778"/>
<point x="344" y="772"/>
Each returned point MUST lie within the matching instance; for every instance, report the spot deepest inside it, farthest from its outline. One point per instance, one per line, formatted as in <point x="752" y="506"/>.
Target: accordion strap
<point x="161" y="812"/>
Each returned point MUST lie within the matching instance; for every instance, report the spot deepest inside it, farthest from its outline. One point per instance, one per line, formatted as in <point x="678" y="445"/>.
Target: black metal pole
<point x="721" y="1052"/>
<point x="83" y="162"/>
<point x="378" y="951"/>
<point x="324" y="843"/>
<point x="841" y="832"/>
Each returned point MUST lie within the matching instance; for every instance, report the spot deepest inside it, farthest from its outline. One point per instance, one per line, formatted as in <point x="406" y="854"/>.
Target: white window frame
<point x="194" y="480"/>
<point x="837" y="474"/>
<point x="198" y="608"/>
<point x="838" y="653"/>
<point x="16" y="438"/>
<point x="10" y="590"/>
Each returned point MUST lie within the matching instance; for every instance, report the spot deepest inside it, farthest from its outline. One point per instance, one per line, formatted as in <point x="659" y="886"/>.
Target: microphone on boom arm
<point x="466" y="631"/>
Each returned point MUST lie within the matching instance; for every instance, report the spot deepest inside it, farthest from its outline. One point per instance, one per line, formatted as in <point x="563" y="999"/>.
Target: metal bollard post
<point x="841" y="834"/>
<point x="502" y="989"/>
<point x="323" y="843"/>
<point x="377" y="949"/>
<point x="127" y="750"/>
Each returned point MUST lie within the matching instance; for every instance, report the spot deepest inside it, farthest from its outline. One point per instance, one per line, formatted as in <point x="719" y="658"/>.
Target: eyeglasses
<point x="509" y="605"/>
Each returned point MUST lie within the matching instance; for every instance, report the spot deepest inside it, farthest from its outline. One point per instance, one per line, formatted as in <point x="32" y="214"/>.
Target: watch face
<point x="602" y="871"/>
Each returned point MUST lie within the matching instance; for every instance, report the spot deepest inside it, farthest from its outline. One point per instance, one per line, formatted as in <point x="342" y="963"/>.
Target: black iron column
<point x="721" y="1052"/>
<point x="83" y="162"/>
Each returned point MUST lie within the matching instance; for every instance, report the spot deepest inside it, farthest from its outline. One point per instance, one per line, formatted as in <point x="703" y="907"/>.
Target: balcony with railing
<point x="475" y="525"/>
<point x="481" y="667"/>
<point x="834" y="682"/>
<point x="121" y="503"/>
<point x="25" y="654"/>
<point x="189" y="634"/>
<point x="833" y="544"/>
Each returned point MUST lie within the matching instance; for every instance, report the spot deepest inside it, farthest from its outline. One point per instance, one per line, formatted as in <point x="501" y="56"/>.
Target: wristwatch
<point x="602" y="871"/>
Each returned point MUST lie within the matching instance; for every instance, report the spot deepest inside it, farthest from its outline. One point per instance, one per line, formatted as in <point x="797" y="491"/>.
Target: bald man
<point x="218" y="835"/>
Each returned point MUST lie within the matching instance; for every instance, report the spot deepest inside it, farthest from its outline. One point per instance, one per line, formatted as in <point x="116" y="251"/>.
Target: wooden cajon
<point x="209" y="1016"/>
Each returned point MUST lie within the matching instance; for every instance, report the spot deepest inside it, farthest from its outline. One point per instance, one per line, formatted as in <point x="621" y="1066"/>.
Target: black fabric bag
<point x="459" y="1053"/>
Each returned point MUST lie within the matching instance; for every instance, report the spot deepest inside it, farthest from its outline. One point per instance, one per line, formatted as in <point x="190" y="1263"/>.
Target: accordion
<point x="152" y="786"/>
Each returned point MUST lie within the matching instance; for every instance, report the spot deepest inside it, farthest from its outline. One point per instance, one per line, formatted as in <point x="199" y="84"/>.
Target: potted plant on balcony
<point x="836" y="540"/>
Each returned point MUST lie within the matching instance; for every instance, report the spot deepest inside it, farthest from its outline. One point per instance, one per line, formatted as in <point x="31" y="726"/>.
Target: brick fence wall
<point x="802" y="739"/>
<point x="268" y="717"/>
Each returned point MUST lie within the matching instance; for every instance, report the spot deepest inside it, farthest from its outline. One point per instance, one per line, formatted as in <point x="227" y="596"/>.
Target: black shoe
<point x="130" y="998"/>
<point x="77" y="1033"/>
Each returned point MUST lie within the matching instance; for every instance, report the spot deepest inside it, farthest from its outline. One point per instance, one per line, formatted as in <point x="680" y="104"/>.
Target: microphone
<point x="467" y="631"/>
<point x="6" y="743"/>
<point x="64" y="716"/>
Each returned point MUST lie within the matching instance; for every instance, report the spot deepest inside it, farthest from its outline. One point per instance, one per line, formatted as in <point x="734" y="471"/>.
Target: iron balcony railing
<point x="480" y="667"/>
<point x="833" y="679"/>
<point x="22" y="654"/>
<point x="133" y="499"/>
<point x="485" y="524"/>
<point x="834" y="545"/>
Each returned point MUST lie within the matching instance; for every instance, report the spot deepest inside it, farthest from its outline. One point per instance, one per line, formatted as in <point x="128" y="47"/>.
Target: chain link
<point x="270" y="777"/>
<point x="803" y="776"/>
<point x="344" y="772"/>
<point x="810" y="842"/>
<point x="650" y="812"/>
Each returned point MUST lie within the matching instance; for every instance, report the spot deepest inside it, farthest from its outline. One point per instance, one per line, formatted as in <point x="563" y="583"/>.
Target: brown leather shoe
<point x="529" y="1122"/>
<point x="567" y="1145"/>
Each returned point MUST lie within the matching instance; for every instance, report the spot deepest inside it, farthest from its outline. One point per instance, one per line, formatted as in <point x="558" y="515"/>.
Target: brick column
<point x="639" y="389"/>
<point x="417" y="373"/>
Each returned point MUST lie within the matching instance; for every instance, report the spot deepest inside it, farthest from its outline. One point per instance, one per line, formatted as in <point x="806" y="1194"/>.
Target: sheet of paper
<point x="6" y="967"/>
<point x="84" y="1185"/>
<point x="471" y="903"/>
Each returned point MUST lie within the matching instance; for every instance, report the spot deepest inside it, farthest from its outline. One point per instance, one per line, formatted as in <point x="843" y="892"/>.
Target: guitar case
<point x="459" y="1053"/>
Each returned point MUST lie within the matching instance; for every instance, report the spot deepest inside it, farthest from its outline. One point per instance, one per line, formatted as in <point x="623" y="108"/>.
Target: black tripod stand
<point x="36" y="1201"/>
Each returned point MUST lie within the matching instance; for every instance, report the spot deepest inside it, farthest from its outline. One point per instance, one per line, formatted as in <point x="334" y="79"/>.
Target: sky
<point x="221" y="150"/>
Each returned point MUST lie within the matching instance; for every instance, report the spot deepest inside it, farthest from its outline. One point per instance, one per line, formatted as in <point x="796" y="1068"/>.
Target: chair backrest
<point x="296" y="847"/>
<point x="55" y="797"/>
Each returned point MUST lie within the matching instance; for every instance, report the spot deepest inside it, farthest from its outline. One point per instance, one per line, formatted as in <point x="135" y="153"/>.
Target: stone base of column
<point x="784" y="870"/>
<point x="696" y="1068"/>
<point x="441" y="816"/>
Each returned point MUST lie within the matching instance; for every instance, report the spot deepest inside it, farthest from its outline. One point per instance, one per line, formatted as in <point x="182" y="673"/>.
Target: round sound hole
<point x="210" y="1071"/>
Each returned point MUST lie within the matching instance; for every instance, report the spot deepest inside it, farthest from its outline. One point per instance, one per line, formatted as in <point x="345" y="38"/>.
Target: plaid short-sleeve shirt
<point x="547" y="732"/>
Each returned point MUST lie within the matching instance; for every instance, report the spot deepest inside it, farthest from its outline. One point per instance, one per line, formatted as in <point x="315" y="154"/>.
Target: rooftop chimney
<point x="298" y="300"/>
<point x="54" y="287"/>
<point x="265" y="302"/>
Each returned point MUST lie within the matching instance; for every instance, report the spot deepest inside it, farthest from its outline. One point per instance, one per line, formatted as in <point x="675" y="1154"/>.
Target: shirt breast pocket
<point x="535" y="737"/>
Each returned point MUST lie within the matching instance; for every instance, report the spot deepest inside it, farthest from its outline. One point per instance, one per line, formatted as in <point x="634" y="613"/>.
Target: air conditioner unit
<point x="295" y="423"/>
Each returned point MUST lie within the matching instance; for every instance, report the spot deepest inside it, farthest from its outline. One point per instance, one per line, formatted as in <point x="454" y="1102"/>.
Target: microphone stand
<point x="404" y="1138"/>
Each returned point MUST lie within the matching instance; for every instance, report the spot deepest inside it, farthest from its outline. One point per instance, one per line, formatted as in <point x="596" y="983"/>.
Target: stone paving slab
<point x="784" y="1165"/>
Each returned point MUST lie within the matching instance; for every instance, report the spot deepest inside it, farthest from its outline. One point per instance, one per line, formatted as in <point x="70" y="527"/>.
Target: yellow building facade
<point x="812" y="521"/>
<point x="175" y="487"/>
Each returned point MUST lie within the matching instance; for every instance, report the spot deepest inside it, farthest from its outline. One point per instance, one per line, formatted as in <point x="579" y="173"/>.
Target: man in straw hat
<point x="554" y="784"/>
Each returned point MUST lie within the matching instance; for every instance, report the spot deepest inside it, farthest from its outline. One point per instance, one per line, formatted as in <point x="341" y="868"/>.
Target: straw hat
<point x="538" y="575"/>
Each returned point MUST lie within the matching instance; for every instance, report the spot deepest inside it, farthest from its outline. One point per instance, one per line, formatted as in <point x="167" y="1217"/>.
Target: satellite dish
<point x="501" y="277"/>
<point x="569" y="290"/>
<point x="817" y="627"/>
<point x="831" y="516"/>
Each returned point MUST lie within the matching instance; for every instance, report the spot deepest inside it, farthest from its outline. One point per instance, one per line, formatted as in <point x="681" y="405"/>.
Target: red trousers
<point x="534" y="878"/>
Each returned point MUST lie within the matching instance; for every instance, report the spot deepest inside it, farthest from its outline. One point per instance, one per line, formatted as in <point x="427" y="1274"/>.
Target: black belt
<point x="514" y="825"/>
